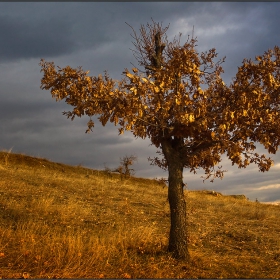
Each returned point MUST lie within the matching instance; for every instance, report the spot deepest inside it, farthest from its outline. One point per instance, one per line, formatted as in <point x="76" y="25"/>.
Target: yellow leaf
<point x="200" y="91"/>
<point x="156" y="89"/>
<point x="191" y="118"/>
<point x="129" y="75"/>
<point x="133" y="89"/>
<point x="222" y="127"/>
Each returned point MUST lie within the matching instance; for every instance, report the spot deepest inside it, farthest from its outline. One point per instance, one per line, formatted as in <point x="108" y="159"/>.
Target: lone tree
<point x="125" y="163"/>
<point x="180" y="102"/>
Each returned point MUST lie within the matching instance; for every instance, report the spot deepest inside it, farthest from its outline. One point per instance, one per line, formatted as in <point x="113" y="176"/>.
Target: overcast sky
<point x="95" y="36"/>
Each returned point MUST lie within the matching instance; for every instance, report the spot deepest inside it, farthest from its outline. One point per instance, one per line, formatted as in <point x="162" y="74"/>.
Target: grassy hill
<point x="61" y="221"/>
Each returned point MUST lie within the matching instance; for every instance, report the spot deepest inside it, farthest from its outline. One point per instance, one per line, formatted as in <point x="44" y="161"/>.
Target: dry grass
<point x="60" y="221"/>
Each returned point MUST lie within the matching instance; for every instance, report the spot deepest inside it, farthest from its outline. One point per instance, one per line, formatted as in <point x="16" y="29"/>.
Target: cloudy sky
<point x="94" y="35"/>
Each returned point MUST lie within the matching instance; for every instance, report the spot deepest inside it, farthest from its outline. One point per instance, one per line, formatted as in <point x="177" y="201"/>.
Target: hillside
<point x="61" y="221"/>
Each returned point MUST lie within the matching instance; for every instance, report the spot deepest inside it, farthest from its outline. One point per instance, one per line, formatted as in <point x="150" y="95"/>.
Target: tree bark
<point x="178" y="214"/>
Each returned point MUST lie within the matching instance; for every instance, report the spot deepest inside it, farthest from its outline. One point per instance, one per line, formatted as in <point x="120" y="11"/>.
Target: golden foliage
<point x="181" y="98"/>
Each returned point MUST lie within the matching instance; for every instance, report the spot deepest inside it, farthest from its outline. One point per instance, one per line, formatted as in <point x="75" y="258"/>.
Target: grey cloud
<point x="51" y="30"/>
<point x="23" y="39"/>
<point x="11" y="110"/>
<point x="270" y="195"/>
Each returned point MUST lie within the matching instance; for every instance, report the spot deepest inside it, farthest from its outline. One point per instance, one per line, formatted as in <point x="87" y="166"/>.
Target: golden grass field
<point x="61" y="221"/>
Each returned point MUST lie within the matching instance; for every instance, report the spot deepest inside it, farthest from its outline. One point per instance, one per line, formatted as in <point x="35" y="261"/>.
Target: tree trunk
<point x="178" y="214"/>
<point x="171" y="150"/>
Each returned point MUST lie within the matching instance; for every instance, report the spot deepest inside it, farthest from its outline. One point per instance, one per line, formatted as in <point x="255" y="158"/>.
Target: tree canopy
<point x="184" y="98"/>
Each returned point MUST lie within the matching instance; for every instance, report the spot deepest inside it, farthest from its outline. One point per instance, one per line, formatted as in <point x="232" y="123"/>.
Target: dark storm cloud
<point x="235" y="30"/>
<point x="11" y="110"/>
<point x="52" y="29"/>
<point x="23" y="39"/>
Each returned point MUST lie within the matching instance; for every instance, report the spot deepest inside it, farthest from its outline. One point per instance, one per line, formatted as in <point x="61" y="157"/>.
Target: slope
<point x="61" y="221"/>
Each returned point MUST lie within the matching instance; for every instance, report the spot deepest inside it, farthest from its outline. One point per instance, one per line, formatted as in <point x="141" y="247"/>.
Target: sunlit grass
<point x="60" y="221"/>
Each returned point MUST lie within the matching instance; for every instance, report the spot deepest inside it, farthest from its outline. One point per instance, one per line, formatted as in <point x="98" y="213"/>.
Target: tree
<point x="124" y="167"/>
<point x="125" y="163"/>
<point x="181" y="103"/>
